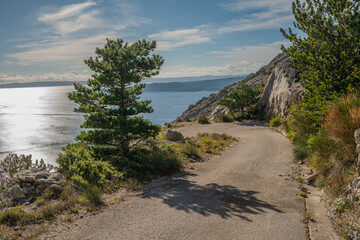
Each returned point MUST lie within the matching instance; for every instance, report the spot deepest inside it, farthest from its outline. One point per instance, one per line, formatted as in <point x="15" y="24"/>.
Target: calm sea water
<point x="40" y="121"/>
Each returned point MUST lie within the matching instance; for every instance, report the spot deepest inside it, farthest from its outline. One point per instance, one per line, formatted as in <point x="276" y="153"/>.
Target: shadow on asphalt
<point x="211" y="199"/>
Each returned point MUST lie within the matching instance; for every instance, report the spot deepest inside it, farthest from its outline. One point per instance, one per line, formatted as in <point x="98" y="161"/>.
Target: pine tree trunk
<point x="125" y="143"/>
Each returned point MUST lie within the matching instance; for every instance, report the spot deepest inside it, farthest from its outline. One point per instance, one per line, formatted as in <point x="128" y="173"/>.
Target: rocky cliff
<point x="281" y="87"/>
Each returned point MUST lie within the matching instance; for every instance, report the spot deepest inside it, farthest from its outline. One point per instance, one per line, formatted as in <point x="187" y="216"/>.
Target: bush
<point x="10" y="216"/>
<point x="165" y="160"/>
<point x="203" y="120"/>
<point x="226" y="118"/>
<point x="301" y="152"/>
<point x="342" y="120"/>
<point x="206" y="144"/>
<point x="79" y="160"/>
<point x="45" y="197"/>
<point x="190" y="149"/>
<point x="275" y="122"/>
<point x="92" y="192"/>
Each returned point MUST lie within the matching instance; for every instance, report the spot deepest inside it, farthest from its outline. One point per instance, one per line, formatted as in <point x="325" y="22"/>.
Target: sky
<point x="48" y="40"/>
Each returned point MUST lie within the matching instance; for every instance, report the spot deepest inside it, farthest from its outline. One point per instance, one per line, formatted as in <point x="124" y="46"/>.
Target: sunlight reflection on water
<point x="37" y="121"/>
<point x="40" y="121"/>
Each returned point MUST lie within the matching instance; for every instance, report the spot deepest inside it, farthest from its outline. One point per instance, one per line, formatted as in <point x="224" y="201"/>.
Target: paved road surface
<point x="238" y="195"/>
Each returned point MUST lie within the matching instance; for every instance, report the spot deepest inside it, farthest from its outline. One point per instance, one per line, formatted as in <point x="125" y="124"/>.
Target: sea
<point x="40" y="120"/>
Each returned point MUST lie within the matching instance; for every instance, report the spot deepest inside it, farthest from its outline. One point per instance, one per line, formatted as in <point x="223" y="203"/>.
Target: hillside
<point x="281" y="87"/>
<point x="174" y="85"/>
<point x="192" y="86"/>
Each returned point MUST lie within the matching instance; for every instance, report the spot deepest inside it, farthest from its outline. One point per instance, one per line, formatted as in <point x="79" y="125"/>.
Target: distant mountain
<point x="181" y="85"/>
<point x="40" y="84"/>
<point x="190" y="79"/>
<point x="193" y="86"/>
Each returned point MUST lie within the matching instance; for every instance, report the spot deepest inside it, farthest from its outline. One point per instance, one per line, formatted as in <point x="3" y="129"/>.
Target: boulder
<point x="310" y="178"/>
<point x="56" y="189"/>
<point x="38" y="176"/>
<point x="174" y="136"/>
<point x="15" y="192"/>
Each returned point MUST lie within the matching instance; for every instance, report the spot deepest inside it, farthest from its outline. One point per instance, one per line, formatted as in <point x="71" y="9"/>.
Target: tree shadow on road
<point x="210" y="199"/>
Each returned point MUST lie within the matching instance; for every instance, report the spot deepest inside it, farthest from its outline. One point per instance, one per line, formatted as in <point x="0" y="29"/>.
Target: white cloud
<point x="65" y="12"/>
<point x="72" y="18"/>
<point x="264" y="5"/>
<point x="238" y="68"/>
<point x="64" y="43"/>
<point x="252" y="54"/>
<point x="22" y="78"/>
<point x="236" y="61"/>
<point x="67" y="51"/>
<point x="255" y="24"/>
<point x="168" y="40"/>
<point x="265" y="15"/>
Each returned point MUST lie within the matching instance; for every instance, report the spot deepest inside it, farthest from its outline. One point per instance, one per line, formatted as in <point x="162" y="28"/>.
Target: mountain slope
<point x="281" y="88"/>
<point x="193" y="86"/>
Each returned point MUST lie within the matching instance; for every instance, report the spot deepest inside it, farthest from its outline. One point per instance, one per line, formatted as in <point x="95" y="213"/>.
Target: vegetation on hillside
<point x="326" y="54"/>
<point x="322" y="125"/>
<point x="240" y="99"/>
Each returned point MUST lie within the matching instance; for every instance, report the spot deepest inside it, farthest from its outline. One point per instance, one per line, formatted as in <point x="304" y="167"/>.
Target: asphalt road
<point x="241" y="194"/>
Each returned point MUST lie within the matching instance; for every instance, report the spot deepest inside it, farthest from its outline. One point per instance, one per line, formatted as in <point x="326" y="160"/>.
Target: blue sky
<point x="44" y="40"/>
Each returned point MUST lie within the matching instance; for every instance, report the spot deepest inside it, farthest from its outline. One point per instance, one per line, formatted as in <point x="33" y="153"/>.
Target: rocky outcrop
<point x="174" y="136"/>
<point x="281" y="87"/>
<point x="31" y="183"/>
<point x="354" y="186"/>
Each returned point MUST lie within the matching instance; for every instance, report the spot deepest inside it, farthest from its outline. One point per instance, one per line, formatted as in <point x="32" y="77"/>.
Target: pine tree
<point x="110" y="101"/>
<point x="239" y="98"/>
<point x="327" y="52"/>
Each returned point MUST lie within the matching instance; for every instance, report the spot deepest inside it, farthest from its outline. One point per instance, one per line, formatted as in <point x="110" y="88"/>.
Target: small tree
<point x="239" y="98"/>
<point x="110" y="101"/>
<point x="328" y="55"/>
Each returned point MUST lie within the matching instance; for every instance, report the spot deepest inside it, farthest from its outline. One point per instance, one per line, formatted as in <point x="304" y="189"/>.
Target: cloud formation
<point x="260" y="53"/>
<point x="168" y="40"/>
<point x="238" y="61"/>
<point x="264" y="14"/>
<point x="23" y="78"/>
<point x="65" y="12"/>
<point x="238" y="68"/>
<point x="65" y="51"/>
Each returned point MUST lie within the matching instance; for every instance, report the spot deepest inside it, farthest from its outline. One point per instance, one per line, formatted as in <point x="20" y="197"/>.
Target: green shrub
<point x="301" y="152"/>
<point x="303" y="194"/>
<point x="226" y="118"/>
<point x="275" y="122"/>
<point x="132" y="184"/>
<point x="10" y="216"/>
<point x="203" y="120"/>
<point x="206" y="144"/>
<point x="190" y="149"/>
<point x="342" y="119"/>
<point x="165" y="160"/>
<point x="92" y="193"/>
<point x="79" y="160"/>
<point x="45" y="197"/>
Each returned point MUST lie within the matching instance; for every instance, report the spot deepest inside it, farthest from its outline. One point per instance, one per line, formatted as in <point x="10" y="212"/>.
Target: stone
<point x="56" y="189"/>
<point x="38" y="176"/>
<point x="357" y="136"/>
<point x="174" y="136"/>
<point x="310" y="178"/>
<point x="40" y="189"/>
<point x="27" y="200"/>
<point x="15" y="192"/>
